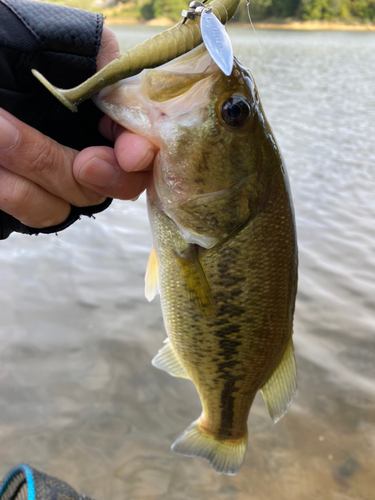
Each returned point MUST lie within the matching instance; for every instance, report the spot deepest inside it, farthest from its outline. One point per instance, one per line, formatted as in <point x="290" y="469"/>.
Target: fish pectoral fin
<point x="152" y="276"/>
<point x="195" y="280"/>
<point x="167" y="360"/>
<point x="279" y="390"/>
<point x="225" y="456"/>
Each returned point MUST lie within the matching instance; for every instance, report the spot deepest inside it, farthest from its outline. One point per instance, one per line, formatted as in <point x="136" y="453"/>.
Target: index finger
<point x="43" y="161"/>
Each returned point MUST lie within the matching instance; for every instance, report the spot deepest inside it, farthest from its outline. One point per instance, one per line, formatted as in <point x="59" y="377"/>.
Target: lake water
<point x="79" y="398"/>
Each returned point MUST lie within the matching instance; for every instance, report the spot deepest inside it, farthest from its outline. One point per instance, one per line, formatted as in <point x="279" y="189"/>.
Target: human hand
<point x="40" y="179"/>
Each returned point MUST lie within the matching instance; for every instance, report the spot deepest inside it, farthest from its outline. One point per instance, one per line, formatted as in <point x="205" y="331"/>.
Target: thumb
<point x="109" y="48"/>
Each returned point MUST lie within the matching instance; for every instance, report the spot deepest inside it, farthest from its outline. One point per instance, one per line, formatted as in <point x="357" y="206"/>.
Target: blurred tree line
<point x="164" y="8"/>
<point x="279" y="9"/>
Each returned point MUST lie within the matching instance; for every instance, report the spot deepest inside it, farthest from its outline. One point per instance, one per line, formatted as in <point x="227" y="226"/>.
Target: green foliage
<point x="364" y="9"/>
<point x="319" y="9"/>
<point x="337" y="9"/>
<point x="170" y="8"/>
<point x="307" y="9"/>
<point x="283" y="8"/>
<point x="147" y="11"/>
<point x="259" y="9"/>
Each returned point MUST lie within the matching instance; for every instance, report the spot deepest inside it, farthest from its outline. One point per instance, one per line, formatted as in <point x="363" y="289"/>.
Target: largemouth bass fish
<point x="225" y="257"/>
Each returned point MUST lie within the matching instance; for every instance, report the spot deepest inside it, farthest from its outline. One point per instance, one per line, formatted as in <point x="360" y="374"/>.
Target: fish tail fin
<point x="226" y="456"/>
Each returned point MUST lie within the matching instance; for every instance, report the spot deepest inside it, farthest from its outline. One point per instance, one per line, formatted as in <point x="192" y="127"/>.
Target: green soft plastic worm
<point x="155" y="51"/>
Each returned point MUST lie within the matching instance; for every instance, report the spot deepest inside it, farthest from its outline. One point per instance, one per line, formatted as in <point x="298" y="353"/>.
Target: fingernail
<point x="8" y="134"/>
<point x="99" y="172"/>
<point x="146" y="162"/>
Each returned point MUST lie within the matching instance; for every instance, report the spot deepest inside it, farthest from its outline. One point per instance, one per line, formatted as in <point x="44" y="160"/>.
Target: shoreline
<point x="313" y="26"/>
<point x="164" y="22"/>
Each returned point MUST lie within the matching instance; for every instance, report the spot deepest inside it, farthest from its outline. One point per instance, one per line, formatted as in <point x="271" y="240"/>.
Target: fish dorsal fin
<point x="152" y="276"/>
<point x="167" y="360"/>
<point x="195" y="280"/>
<point x="280" y="388"/>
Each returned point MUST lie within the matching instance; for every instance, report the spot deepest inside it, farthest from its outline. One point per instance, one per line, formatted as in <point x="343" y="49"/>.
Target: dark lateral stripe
<point x="227" y="406"/>
<point x="229" y="350"/>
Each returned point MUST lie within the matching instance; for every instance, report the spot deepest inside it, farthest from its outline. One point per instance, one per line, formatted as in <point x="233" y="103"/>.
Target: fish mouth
<point x="167" y="93"/>
<point x="157" y="104"/>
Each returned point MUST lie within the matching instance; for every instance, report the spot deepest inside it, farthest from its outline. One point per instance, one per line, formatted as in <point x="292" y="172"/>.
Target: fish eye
<point x="235" y="111"/>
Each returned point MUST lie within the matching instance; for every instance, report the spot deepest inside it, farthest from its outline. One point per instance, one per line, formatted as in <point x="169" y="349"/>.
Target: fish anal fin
<point x="152" y="276"/>
<point x="280" y="388"/>
<point x="167" y="360"/>
<point x="195" y="280"/>
<point x="226" y="456"/>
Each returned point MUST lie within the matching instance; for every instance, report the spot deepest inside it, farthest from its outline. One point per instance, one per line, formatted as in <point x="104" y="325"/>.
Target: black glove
<point x="62" y="43"/>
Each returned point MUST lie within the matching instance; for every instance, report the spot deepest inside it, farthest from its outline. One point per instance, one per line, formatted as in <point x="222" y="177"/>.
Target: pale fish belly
<point x="232" y="345"/>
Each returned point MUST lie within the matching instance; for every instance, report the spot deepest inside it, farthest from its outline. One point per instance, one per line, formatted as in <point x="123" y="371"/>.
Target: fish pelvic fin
<point x="167" y="360"/>
<point x="226" y="456"/>
<point x="152" y="276"/>
<point x="279" y="390"/>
